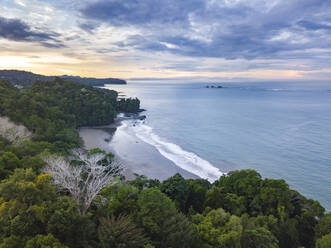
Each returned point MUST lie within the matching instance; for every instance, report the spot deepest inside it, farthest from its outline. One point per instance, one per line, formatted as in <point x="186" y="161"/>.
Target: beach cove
<point x="135" y="155"/>
<point x="281" y="130"/>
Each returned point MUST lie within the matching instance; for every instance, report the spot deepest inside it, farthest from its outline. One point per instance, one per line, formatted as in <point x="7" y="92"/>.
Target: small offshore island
<point x="213" y="86"/>
<point x="55" y="193"/>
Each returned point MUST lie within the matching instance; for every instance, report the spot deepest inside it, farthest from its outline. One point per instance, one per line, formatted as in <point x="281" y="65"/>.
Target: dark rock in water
<point x="141" y="110"/>
<point x="213" y="86"/>
<point x="142" y="117"/>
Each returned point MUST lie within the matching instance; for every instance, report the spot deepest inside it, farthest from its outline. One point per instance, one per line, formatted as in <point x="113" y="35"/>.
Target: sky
<point x="168" y="39"/>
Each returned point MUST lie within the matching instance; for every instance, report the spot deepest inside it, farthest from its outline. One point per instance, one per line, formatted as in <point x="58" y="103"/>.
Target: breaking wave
<point x="188" y="161"/>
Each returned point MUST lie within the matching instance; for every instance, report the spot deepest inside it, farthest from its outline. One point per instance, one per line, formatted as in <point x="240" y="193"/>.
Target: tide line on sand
<point x="186" y="160"/>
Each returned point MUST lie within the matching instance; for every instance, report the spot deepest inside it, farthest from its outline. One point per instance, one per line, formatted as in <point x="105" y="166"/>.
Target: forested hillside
<point x="53" y="110"/>
<point x="26" y="79"/>
<point x="54" y="196"/>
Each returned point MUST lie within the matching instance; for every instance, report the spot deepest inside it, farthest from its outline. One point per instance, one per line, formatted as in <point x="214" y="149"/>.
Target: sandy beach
<point x="135" y="155"/>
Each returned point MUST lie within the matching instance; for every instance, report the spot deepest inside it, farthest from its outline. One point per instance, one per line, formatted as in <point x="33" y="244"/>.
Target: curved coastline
<point x="143" y="152"/>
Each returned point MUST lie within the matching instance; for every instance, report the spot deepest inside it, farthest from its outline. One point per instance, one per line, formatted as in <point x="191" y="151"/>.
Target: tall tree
<point x="158" y="216"/>
<point x="82" y="174"/>
<point x="176" y="189"/>
<point x="120" y="232"/>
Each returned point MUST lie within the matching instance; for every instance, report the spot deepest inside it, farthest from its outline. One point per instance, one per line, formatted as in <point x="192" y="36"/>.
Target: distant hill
<point x="94" y="81"/>
<point x="26" y="79"/>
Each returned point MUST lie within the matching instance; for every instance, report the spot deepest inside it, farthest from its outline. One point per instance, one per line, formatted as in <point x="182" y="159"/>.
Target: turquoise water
<point x="283" y="130"/>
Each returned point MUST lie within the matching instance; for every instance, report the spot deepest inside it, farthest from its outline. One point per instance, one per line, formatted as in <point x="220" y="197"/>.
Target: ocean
<point x="282" y="130"/>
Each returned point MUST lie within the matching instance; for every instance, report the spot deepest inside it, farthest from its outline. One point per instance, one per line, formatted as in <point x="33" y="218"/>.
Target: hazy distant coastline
<point x="26" y="79"/>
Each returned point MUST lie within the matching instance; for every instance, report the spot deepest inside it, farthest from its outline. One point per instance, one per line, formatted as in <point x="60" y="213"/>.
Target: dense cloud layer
<point x="226" y="29"/>
<point x="16" y="30"/>
<point x="211" y="38"/>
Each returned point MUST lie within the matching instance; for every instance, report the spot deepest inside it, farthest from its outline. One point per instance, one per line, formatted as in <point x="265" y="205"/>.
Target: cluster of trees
<point x="26" y="79"/>
<point x="130" y="105"/>
<point x="239" y="210"/>
<point x="54" y="110"/>
<point x="243" y="210"/>
<point x="49" y="200"/>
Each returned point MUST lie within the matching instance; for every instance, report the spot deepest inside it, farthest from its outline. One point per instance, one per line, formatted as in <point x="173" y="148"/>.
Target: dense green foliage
<point x="26" y="79"/>
<point x="120" y="232"/>
<point x="323" y="232"/>
<point x="240" y="210"/>
<point x="269" y="210"/>
<point x="53" y="110"/>
<point x="130" y="105"/>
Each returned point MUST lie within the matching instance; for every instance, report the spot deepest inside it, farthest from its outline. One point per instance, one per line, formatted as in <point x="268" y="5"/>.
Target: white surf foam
<point x="186" y="160"/>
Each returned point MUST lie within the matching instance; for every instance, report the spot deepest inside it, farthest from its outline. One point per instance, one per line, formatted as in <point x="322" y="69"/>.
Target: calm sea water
<point x="283" y="130"/>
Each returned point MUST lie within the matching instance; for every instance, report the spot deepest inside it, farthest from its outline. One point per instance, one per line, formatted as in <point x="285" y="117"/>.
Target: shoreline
<point x="136" y="155"/>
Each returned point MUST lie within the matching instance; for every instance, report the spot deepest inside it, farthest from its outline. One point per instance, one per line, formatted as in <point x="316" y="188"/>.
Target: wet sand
<point x="135" y="155"/>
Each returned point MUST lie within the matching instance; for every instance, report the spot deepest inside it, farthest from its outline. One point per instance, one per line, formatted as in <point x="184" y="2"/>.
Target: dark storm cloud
<point x="135" y="12"/>
<point x="16" y="30"/>
<point x="216" y="29"/>
<point x="314" y="26"/>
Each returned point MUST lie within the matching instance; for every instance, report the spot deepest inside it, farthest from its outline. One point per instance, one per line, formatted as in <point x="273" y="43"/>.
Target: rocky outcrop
<point x="213" y="86"/>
